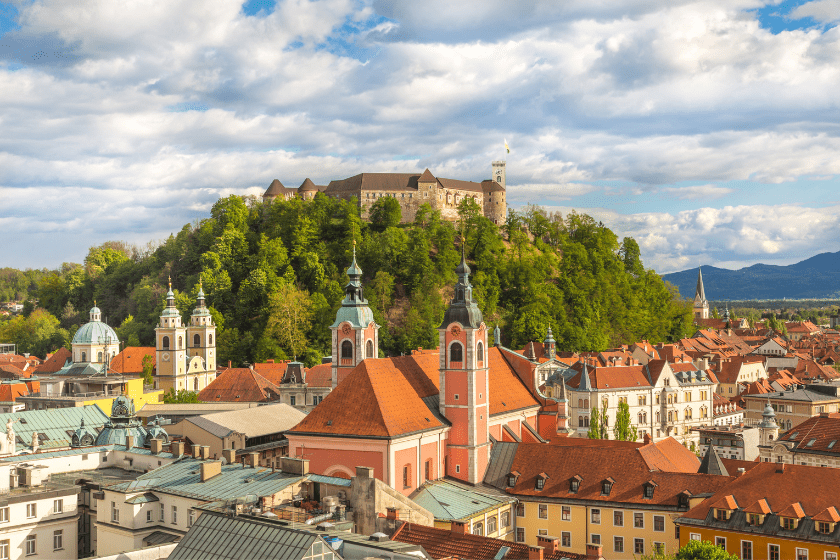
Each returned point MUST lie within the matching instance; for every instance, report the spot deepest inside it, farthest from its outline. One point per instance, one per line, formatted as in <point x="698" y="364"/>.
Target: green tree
<point x="289" y="317"/>
<point x="624" y="429"/>
<point x="182" y="396"/>
<point x="385" y="213"/>
<point x="148" y="363"/>
<point x="715" y="313"/>
<point x="694" y="550"/>
<point x="598" y="423"/>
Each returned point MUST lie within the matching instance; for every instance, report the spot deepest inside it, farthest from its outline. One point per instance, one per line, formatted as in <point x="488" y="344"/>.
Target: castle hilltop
<point x="411" y="190"/>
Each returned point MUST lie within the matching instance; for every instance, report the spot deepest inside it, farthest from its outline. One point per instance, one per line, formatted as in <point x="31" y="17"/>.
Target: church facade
<point x="411" y="190"/>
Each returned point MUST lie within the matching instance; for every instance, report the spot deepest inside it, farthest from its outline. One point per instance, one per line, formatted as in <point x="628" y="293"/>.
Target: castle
<point x="411" y="190"/>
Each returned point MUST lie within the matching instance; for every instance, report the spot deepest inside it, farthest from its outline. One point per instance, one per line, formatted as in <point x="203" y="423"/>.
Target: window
<point x="4" y="550"/>
<point x="639" y="546"/>
<point x="162" y="513"/>
<point x="773" y="552"/>
<point x="721" y="542"/>
<point x="478" y="529"/>
<point x="479" y="352"/>
<point x="174" y="515"/>
<point x="520" y="510"/>
<point x="566" y="539"/>
<point x="746" y="550"/>
<point x="566" y="513"/>
<point x="543" y="513"/>
<point x="210" y="339"/>
<point x="428" y="469"/>
<point x="190" y="517"/>
<point x="606" y="487"/>
<point x="407" y="476"/>
<point x="639" y="520"/>
<point x="115" y="513"/>
<point x="787" y="523"/>
<point x="346" y="350"/>
<point x="694" y="536"/>
<point x="197" y="340"/>
<point x="58" y="539"/>
<point x="180" y="342"/>
<point x="99" y="357"/>
<point x="618" y="544"/>
<point x="149" y="516"/>
<point x="575" y="486"/>
<point x="659" y="548"/>
<point x="292" y="398"/>
<point x="456" y="352"/>
<point x="830" y="556"/>
<point x="659" y="523"/>
<point x="505" y="519"/>
<point x="642" y="400"/>
<point x="540" y="483"/>
<point x="30" y="545"/>
<point x="164" y="343"/>
<point x="595" y="539"/>
<point x="369" y="353"/>
<point x="58" y="506"/>
<point x="801" y="554"/>
<point x="491" y="524"/>
<point x="596" y="516"/>
<point x="649" y="491"/>
<point x="31" y="511"/>
<point x="84" y="355"/>
<point x="520" y="534"/>
<point x="4" y="515"/>
<point x="823" y="527"/>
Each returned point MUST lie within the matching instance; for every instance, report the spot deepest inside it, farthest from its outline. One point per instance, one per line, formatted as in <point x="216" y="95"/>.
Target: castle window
<point x="164" y="343"/>
<point x="197" y="340"/>
<point x="456" y="352"/>
<point x="346" y="350"/>
<point x="479" y="352"/>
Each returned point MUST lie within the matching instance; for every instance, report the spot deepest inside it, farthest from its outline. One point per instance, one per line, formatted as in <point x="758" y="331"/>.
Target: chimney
<point x="254" y="459"/>
<point x="459" y="527"/>
<point x="391" y="513"/>
<point x="176" y="448"/>
<point x="229" y="455"/>
<point x="210" y="469"/>
<point x="742" y="471"/>
<point x="594" y="551"/>
<point x="205" y="452"/>
<point x="364" y="472"/>
<point x="196" y="451"/>
<point x="157" y="446"/>
<point x="646" y="439"/>
<point x="230" y="364"/>
<point x="535" y="552"/>
<point x="550" y="544"/>
<point x="293" y="465"/>
<point x="129" y="442"/>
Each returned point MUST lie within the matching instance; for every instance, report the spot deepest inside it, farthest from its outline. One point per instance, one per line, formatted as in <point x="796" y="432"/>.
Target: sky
<point x="708" y="131"/>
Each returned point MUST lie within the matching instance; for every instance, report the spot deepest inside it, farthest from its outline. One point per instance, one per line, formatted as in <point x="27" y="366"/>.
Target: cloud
<point x="697" y="192"/>
<point x="825" y="11"/>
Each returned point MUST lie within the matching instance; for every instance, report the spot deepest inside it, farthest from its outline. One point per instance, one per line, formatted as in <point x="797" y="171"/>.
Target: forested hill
<point x="817" y="277"/>
<point x="274" y="277"/>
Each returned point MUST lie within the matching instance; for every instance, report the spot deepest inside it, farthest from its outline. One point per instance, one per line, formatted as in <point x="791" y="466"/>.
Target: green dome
<point x="95" y="332"/>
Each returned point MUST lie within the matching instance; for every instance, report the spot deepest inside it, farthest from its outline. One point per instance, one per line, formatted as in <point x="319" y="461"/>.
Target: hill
<point x="816" y="277"/>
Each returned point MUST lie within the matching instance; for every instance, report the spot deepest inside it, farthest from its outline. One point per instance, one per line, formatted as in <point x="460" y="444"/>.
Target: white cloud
<point x="826" y="11"/>
<point x="697" y="192"/>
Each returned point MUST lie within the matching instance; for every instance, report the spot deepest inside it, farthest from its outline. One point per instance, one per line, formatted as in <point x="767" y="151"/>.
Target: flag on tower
<point x="506" y="146"/>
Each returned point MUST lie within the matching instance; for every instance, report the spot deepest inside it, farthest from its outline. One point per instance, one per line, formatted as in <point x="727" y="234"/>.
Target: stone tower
<point x="170" y="351"/>
<point x="701" y="306"/>
<point x="499" y="173"/>
<point x="464" y="386"/>
<point x="355" y="335"/>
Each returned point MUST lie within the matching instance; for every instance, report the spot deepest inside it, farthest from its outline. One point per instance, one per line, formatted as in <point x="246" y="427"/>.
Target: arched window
<point x="640" y="418"/>
<point x="580" y="403"/>
<point x="210" y="340"/>
<point x="580" y="421"/>
<point x="99" y="357"/>
<point x="369" y="353"/>
<point x="478" y="529"/>
<point x="657" y="416"/>
<point x="586" y="421"/>
<point x="84" y="356"/>
<point x="195" y="382"/>
<point x="165" y="343"/>
<point x="197" y="340"/>
<point x="180" y="342"/>
<point x="346" y="350"/>
<point x="456" y="352"/>
<point x="479" y="352"/>
<point x="586" y="403"/>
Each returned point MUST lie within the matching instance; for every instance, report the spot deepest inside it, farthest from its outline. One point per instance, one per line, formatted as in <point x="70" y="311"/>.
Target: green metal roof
<point x="57" y="424"/>
<point x="359" y="317"/>
<point x="63" y="453"/>
<point x="95" y="332"/>
<point x="448" y="500"/>
<point x="334" y="480"/>
<point x="183" y="478"/>
<point x="143" y="499"/>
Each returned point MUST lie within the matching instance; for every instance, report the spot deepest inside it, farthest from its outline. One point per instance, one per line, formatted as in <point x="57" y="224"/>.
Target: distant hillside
<point x="817" y="277"/>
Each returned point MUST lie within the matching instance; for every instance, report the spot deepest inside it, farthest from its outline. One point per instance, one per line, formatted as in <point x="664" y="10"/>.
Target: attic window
<point x="649" y="488"/>
<point x="830" y="445"/>
<point x="512" y="477"/>
<point x="811" y="442"/>
<point x="541" y="478"/>
<point x="683" y="500"/>
<point x="329" y="422"/>
<point x="574" y="484"/>
<point x="606" y="486"/>
<point x="793" y="435"/>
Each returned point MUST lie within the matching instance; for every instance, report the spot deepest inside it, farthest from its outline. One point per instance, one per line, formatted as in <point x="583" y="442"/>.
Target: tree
<point x="694" y="550"/>
<point x="290" y="315"/>
<point x="182" y="396"/>
<point x="598" y="423"/>
<point x="148" y="366"/>
<point x="624" y="429"/>
<point x="385" y="213"/>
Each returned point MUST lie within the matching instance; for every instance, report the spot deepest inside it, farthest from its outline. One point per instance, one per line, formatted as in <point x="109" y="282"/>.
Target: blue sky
<point x="709" y="131"/>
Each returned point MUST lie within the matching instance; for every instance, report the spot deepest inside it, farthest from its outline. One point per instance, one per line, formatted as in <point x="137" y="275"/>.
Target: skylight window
<point x="793" y="435"/>
<point x="811" y="442"/>
<point x="830" y="445"/>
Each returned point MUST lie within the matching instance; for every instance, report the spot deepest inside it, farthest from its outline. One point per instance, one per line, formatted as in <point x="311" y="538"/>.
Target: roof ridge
<point x="376" y="393"/>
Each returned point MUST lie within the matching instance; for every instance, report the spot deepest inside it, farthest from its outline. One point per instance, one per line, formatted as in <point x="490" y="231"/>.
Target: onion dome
<point x="354" y="307"/>
<point x="462" y="309"/>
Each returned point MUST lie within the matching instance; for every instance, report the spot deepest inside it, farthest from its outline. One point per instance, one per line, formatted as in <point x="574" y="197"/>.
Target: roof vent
<point x="378" y="537"/>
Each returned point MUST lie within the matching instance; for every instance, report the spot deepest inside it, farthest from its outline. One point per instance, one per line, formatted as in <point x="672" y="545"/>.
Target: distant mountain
<point x="817" y="277"/>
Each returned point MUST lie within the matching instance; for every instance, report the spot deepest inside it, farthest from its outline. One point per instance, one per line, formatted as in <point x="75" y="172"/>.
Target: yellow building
<point x="621" y="496"/>
<point x="773" y="511"/>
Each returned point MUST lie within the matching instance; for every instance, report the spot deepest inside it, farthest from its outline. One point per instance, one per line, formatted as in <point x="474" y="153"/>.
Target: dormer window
<point x="512" y="477"/>
<point x="649" y="488"/>
<point x="574" y="484"/>
<point x="789" y="523"/>
<point x="541" y="478"/>
<point x="754" y="519"/>
<point x="606" y="486"/>
<point x="683" y="499"/>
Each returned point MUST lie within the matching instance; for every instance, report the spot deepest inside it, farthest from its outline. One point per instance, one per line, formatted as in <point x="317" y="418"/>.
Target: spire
<point x="463" y="309"/>
<point x="585" y="384"/>
<point x="700" y="293"/>
<point x="712" y="464"/>
<point x="497" y="336"/>
<point x="549" y="344"/>
<point x="170" y="310"/>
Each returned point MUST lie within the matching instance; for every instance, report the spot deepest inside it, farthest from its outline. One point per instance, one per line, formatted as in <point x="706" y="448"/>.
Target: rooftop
<point x="252" y="422"/>
<point x="450" y="500"/>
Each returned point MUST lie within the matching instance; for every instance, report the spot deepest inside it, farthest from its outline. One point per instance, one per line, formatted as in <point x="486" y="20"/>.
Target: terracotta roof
<point x="130" y="360"/>
<point x="56" y="361"/>
<point x="9" y="371"/>
<point x="828" y="514"/>
<point x="427" y="177"/>
<point x="320" y="376"/>
<point x="446" y="544"/>
<point x="595" y="464"/>
<point x="272" y="371"/>
<point x="729" y="370"/>
<point x="726" y="502"/>
<point x="308" y="186"/>
<point x="793" y="510"/>
<point x="239" y="385"/>
<point x="11" y="391"/>
<point x="759" y="507"/>
<point x="824" y="429"/>
<point x="612" y="377"/>
<point x="668" y="455"/>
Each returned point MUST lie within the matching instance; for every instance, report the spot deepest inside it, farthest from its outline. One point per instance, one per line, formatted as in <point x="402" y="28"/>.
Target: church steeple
<point x="701" y="306"/>
<point x="462" y="309"/>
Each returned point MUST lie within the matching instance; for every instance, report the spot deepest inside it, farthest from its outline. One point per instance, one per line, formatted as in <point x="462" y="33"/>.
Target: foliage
<point x="38" y="334"/>
<point x="694" y="550"/>
<point x="180" y="397"/>
<point x="598" y="423"/>
<point x="385" y="213"/>
<point x="148" y="367"/>
<point x="624" y="429"/>
<point x="289" y="317"/>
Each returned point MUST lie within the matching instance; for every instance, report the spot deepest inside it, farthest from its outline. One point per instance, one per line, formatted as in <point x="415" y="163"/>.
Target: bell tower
<point x="355" y="335"/>
<point x="464" y="384"/>
<point x="170" y="352"/>
<point x="701" y="306"/>
<point x="201" y="340"/>
<point x="768" y="429"/>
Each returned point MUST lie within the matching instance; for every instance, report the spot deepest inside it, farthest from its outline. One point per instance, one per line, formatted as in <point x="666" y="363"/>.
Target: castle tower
<point x="464" y="386"/>
<point x="201" y="339"/>
<point x="495" y="198"/>
<point x="701" y="306"/>
<point x="499" y="173"/>
<point x="355" y="336"/>
<point x="767" y="428"/>
<point x="170" y="351"/>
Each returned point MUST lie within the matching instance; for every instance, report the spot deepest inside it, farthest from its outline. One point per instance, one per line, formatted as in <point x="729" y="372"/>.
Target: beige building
<point x="792" y="407"/>
<point x="411" y="190"/>
<point x="814" y="442"/>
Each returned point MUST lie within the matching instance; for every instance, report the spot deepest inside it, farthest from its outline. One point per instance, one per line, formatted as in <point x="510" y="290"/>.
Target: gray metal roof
<point x="448" y="500"/>
<point x="253" y="422"/>
<point x="183" y="478"/>
<point x="58" y="424"/>
<point x="159" y="537"/>
<point x="334" y="480"/>
<point x="805" y="395"/>
<point x="501" y="459"/>
<point x="220" y="537"/>
<point x="210" y="427"/>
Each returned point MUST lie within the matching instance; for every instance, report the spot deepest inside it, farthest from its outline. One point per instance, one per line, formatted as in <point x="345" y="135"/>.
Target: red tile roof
<point x="824" y="428"/>
<point x="9" y="371"/>
<point x="239" y="385"/>
<point x="668" y="455"/>
<point x="759" y="507"/>
<point x="273" y="371"/>
<point x="612" y="377"/>
<point x="9" y="392"/>
<point x="446" y="544"/>
<point x="130" y="360"/>
<point x="55" y="362"/>
<point x="319" y="376"/>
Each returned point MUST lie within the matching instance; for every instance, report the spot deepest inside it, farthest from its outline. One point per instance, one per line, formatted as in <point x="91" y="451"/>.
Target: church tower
<point x="464" y="385"/>
<point x="201" y="338"/>
<point x="701" y="306"/>
<point x="355" y="336"/>
<point x="768" y="429"/>
<point x="170" y="351"/>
